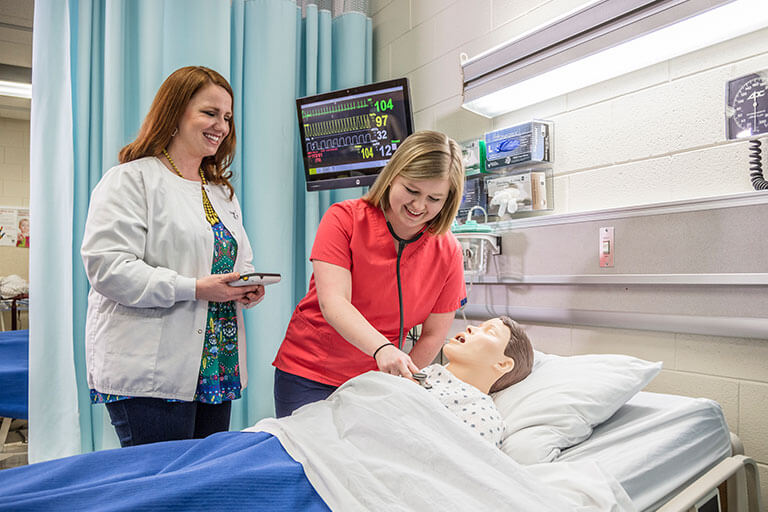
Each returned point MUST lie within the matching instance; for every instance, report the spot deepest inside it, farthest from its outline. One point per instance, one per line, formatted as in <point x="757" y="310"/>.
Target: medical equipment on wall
<point x="746" y="113"/>
<point x="474" y="199"/>
<point x="478" y="243"/>
<point x="348" y="135"/>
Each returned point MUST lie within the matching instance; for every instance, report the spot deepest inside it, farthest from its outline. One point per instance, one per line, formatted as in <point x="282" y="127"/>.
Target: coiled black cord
<point x="756" y="166"/>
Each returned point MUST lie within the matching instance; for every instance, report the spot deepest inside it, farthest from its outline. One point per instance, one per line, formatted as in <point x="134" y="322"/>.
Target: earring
<point x="175" y="132"/>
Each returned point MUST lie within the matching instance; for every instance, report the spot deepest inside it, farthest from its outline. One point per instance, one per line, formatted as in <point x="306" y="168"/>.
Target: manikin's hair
<point x="518" y="348"/>
<point x="424" y="155"/>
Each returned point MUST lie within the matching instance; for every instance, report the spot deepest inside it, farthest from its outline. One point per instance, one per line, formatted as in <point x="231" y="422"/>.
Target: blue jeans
<point x="292" y="391"/>
<point x="151" y="420"/>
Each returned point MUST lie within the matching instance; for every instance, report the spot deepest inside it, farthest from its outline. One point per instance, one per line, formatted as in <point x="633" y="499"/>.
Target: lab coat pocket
<point x="134" y="331"/>
<point x="126" y="342"/>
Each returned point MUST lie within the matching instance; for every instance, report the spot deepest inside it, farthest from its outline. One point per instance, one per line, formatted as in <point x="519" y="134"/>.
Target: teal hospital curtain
<point x="336" y="53"/>
<point x="96" y="68"/>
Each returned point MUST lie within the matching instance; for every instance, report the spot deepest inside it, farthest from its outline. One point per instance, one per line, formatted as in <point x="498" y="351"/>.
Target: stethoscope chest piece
<point x="421" y="378"/>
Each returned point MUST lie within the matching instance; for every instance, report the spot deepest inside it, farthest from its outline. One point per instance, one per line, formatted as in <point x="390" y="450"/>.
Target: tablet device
<point x="256" y="278"/>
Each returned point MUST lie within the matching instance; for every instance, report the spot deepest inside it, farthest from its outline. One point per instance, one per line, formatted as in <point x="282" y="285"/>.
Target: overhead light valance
<point x="603" y="40"/>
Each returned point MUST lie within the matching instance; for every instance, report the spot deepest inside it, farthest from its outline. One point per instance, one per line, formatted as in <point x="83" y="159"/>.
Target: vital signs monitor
<point x="349" y="135"/>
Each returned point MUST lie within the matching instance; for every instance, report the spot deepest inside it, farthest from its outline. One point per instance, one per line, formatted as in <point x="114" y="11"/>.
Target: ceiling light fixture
<point x="606" y="39"/>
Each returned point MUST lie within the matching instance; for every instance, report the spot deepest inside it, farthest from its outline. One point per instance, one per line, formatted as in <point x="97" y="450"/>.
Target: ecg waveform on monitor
<point x="332" y="126"/>
<point x="336" y="142"/>
<point x="335" y="108"/>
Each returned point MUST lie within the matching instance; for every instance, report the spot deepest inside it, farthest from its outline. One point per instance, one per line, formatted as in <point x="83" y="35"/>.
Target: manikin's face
<point x="205" y="122"/>
<point x="479" y="345"/>
<point x="413" y="203"/>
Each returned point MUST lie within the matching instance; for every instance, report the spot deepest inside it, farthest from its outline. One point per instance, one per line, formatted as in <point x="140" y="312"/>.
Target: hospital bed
<point x="15" y="305"/>
<point x="671" y="452"/>
<point x="664" y="450"/>
<point x="14" y="370"/>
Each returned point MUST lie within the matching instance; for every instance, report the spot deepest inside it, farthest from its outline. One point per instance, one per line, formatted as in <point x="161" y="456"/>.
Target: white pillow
<point x="564" y="398"/>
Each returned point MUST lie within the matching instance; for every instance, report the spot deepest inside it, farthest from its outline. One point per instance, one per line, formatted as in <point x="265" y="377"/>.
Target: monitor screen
<point x="348" y="136"/>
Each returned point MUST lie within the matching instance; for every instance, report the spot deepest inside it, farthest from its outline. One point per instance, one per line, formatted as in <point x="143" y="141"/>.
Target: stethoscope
<point x="401" y="243"/>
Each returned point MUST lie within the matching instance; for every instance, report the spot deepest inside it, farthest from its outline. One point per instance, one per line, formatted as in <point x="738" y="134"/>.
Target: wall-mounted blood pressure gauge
<point x="746" y="111"/>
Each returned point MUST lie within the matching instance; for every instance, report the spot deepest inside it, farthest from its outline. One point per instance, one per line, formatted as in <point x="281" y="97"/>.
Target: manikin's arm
<point x="433" y="333"/>
<point x="334" y="292"/>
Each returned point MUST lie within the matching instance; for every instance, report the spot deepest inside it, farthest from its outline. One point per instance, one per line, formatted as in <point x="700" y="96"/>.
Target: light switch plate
<point x="607" y="247"/>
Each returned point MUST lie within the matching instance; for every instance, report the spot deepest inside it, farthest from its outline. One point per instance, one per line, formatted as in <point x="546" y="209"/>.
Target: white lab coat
<point x="146" y="242"/>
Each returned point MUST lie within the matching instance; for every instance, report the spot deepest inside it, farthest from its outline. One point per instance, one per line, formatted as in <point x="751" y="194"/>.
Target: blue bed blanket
<point x="226" y="471"/>
<point x="14" y="369"/>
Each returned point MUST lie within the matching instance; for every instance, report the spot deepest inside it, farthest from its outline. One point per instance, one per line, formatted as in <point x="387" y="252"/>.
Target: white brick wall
<point x="661" y="128"/>
<point x="654" y="135"/>
<point x="14" y="162"/>
<point x="14" y="191"/>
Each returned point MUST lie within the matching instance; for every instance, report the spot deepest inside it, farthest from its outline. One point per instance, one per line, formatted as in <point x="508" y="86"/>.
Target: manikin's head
<point x="491" y="356"/>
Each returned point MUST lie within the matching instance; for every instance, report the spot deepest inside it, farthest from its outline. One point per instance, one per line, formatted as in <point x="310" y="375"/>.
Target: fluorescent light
<point x="16" y="89"/>
<point x="708" y="28"/>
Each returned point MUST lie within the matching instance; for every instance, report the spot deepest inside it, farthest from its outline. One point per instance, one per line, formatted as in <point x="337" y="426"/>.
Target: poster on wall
<point x="14" y="227"/>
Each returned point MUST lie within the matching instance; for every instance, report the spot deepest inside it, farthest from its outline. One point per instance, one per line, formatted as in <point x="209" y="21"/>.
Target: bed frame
<point x="5" y="427"/>
<point x="736" y="477"/>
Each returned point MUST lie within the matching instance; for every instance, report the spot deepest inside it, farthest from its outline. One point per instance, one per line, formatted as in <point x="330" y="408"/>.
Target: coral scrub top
<point x="353" y="234"/>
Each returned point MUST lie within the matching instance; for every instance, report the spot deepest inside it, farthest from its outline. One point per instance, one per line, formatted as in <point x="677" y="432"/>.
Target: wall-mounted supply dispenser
<point x="473" y="156"/>
<point x="518" y="191"/>
<point x="524" y="144"/>
<point x="519" y="169"/>
<point x="474" y="199"/>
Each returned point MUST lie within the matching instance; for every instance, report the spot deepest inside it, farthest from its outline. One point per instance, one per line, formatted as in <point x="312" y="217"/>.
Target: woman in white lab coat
<point x="165" y="343"/>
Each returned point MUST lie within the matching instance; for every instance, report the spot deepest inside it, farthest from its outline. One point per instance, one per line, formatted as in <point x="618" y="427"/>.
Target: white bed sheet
<point x="382" y="443"/>
<point x="656" y="444"/>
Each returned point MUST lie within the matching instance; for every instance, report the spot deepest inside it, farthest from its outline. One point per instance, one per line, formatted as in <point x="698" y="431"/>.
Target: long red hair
<point x="163" y="118"/>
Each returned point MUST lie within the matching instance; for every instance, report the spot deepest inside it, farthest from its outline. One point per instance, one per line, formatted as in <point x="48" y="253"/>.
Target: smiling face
<point x="413" y="203"/>
<point x="481" y="345"/>
<point x="205" y="122"/>
<point x="24" y="227"/>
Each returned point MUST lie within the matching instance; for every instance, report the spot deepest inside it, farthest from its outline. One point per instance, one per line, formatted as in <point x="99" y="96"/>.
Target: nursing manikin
<point x="482" y="359"/>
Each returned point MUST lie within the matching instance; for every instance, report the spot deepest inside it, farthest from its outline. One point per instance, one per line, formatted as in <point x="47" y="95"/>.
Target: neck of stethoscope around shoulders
<point x="401" y="243"/>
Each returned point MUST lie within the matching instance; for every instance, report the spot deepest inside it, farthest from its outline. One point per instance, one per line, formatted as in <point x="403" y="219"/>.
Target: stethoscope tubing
<point x="401" y="243"/>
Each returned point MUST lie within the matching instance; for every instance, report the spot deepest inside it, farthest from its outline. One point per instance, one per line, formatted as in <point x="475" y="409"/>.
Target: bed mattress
<point x="656" y="444"/>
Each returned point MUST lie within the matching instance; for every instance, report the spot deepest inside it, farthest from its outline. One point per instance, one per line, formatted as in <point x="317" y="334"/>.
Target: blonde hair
<point x="165" y="113"/>
<point x="424" y="155"/>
